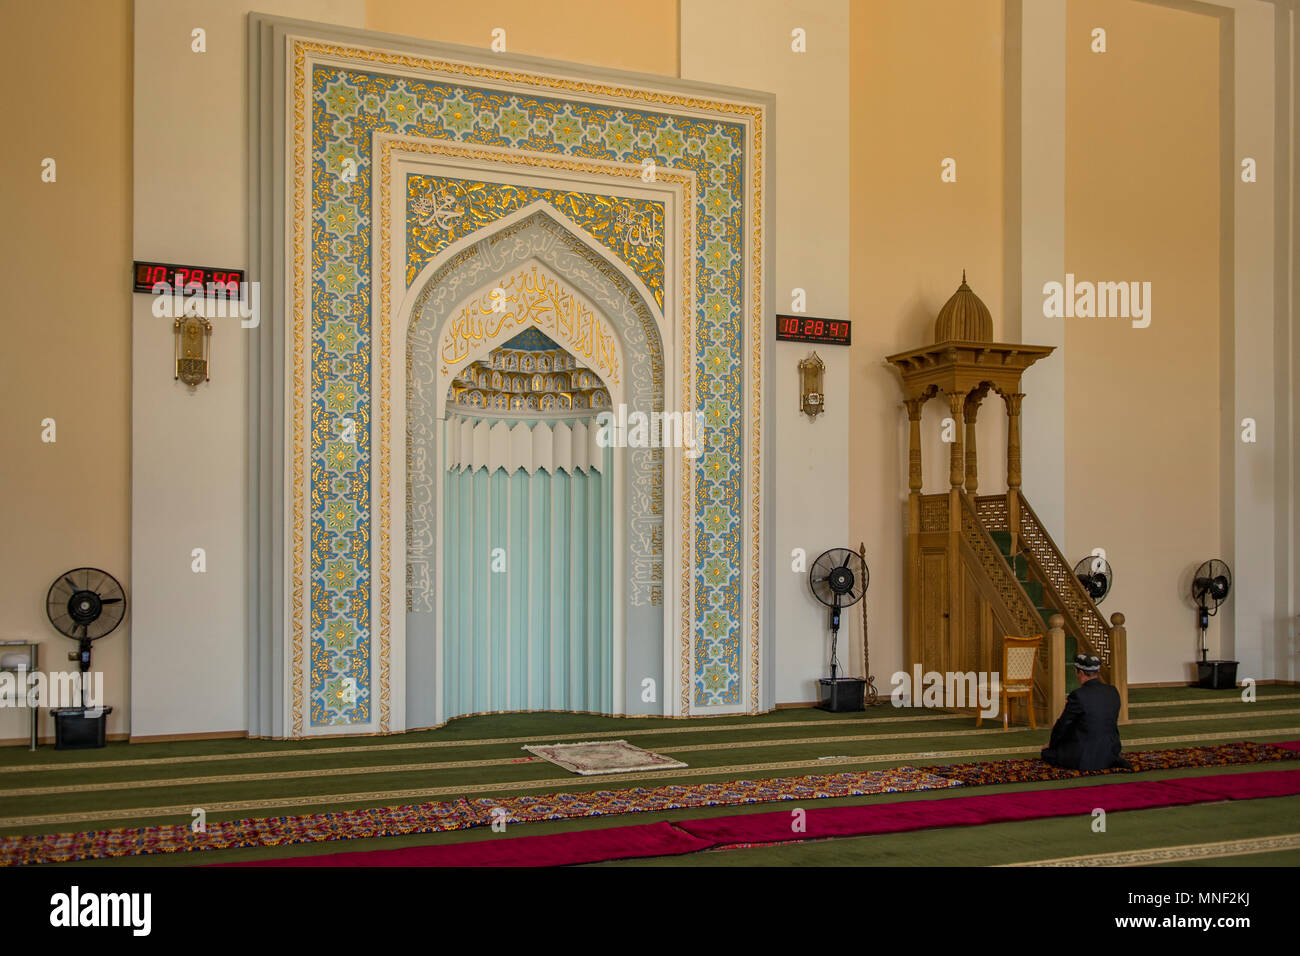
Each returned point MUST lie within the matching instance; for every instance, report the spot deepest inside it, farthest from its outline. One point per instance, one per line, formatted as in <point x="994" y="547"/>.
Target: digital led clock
<point x="148" y="274"/>
<point x="804" y="328"/>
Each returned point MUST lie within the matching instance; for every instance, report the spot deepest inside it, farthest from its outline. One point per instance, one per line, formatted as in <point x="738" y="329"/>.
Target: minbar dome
<point x="963" y="318"/>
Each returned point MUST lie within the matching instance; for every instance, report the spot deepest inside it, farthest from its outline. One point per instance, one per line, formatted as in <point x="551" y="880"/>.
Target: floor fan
<point x="1211" y="585"/>
<point x="84" y="604"/>
<point x="838" y="579"/>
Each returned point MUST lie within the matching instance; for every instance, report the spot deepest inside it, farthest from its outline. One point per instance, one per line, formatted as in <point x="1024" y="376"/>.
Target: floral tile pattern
<point x="347" y="107"/>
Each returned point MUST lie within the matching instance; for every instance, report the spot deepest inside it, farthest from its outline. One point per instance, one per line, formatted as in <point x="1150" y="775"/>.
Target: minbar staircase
<point x="975" y="581"/>
<point x="1049" y="583"/>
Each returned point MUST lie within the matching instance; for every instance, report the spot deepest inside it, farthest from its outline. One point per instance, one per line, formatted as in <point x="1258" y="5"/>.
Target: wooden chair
<point x="1019" y="655"/>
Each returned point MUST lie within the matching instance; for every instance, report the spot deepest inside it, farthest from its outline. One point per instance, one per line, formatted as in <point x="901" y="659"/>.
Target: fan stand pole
<point x="82" y="663"/>
<point x="835" y="634"/>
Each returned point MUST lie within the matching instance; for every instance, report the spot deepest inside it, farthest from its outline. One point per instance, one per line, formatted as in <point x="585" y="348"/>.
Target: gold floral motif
<point x="413" y="61"/>
<point x="631" y="228"/>
<point x="385" y="506"/>
<point x="301" y="48"/>
<point x="756" y="433"/>
<point x="688" y="474"/>
<point x="299" y="331"/>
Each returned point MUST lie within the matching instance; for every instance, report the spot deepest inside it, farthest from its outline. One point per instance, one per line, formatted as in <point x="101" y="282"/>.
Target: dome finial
<point x="964" y="318"/>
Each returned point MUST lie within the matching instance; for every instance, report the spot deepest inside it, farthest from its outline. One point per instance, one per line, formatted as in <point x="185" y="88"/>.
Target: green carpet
<point x="474" y="756"/>
<point x="998" y="844"/>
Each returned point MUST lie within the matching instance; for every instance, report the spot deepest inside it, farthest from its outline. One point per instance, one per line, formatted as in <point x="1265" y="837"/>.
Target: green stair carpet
<point x="1020" y="565"/>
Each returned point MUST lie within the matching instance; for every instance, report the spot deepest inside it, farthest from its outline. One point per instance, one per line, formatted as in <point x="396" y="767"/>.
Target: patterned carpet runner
<point x="1035" y="771"/>
<point x="454" y="815"/>
<point x="772" y="829"/>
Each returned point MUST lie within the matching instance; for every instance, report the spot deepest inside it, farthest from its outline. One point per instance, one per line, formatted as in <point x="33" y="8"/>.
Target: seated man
<point x="1086" y="735"/>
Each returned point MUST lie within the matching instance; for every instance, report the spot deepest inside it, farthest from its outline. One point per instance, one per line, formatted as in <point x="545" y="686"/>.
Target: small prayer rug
<point x="602" y="756"/>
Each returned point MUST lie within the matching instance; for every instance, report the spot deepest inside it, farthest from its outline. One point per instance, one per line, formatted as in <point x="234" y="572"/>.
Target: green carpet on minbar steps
<point x="1020" y="565"/>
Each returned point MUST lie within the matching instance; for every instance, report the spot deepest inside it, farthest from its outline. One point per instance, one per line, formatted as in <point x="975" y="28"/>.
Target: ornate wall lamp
<point x="193" y="349"/>
<point x="812" y="398"/>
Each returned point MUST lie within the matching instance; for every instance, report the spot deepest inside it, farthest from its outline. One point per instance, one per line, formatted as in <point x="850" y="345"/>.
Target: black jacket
<point x="1086" y="735"/>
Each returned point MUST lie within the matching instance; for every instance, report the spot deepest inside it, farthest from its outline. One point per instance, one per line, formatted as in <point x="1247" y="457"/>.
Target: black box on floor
<point x="841" y="694"/>
<point x="1217" y="675"/>
<point x="79" y="728"/>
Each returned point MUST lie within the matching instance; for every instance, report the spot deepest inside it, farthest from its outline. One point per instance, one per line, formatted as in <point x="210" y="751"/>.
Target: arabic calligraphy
<point x="633" y="228"/>
<point x="438" y="210"/>
<point x="532" y="298"/>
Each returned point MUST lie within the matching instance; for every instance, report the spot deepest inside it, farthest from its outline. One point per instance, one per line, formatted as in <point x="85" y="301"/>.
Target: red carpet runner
<point x="670" y="839"/>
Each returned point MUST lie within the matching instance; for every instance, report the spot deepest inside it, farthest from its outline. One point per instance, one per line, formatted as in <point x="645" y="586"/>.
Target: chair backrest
<point x="1018" y="657"/>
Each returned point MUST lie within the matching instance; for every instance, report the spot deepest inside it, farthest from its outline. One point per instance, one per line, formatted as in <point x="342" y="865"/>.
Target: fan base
<point x="842" y="694"/>
<point x="79" y="728"/>
<point x="1216" y="675"/>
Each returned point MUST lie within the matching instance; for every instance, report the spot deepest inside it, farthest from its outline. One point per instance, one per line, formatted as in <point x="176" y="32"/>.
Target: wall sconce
<point x="193" y="349"/>
<point x="812" y="399"/>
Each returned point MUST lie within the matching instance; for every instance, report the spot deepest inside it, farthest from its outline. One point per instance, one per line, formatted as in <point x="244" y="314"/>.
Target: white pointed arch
<point x="539" y="234"/>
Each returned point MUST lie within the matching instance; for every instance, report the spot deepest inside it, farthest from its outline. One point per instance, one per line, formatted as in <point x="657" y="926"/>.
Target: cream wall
<point x="812" y="253"/>
<point x="1142" y="203"/>
<point x="925" y="84"/>
<point x="1035" y="239"/>
<point x="66" y="246"/>
<point x="638" y="35"/>
<point x="1260" y="630"/>
<point x="925" y="81"/>
<point x="189" y="449"/>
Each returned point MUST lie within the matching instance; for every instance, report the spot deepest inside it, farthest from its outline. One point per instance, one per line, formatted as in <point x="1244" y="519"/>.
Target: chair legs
<point x="1008" y="717"/>
<point x="1008" y="714"/>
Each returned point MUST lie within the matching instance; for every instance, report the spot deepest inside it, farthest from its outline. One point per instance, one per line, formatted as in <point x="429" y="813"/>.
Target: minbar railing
<point x="1064" y="592"/>
<point x="1018" y="606"/>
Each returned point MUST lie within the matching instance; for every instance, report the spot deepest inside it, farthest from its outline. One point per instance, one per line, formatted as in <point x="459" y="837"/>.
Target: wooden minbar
<point x="981" y="568"/>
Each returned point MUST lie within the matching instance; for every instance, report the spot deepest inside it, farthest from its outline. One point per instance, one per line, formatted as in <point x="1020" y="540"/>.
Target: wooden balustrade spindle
<point x="1056" y="665"/>
<point x="1119" y="662"/>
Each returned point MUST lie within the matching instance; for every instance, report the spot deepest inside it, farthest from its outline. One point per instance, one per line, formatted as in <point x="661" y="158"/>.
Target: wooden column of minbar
<point x="911" y="621"/>
<point x="1012" y="400"/>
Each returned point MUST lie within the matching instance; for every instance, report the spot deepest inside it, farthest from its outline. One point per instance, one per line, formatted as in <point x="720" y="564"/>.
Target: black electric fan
<point x="1095" y="574"/>
<point x="838" y="578"/>
<point x="1210" y="588"/>
<point x="85" y="604"/>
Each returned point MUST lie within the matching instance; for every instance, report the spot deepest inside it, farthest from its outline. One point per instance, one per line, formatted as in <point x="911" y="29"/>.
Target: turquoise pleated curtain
<point x="536" y="634"/>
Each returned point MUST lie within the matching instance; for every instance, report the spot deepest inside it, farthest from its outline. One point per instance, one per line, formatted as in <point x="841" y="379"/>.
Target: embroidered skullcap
<point x="1087" y="663"/>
